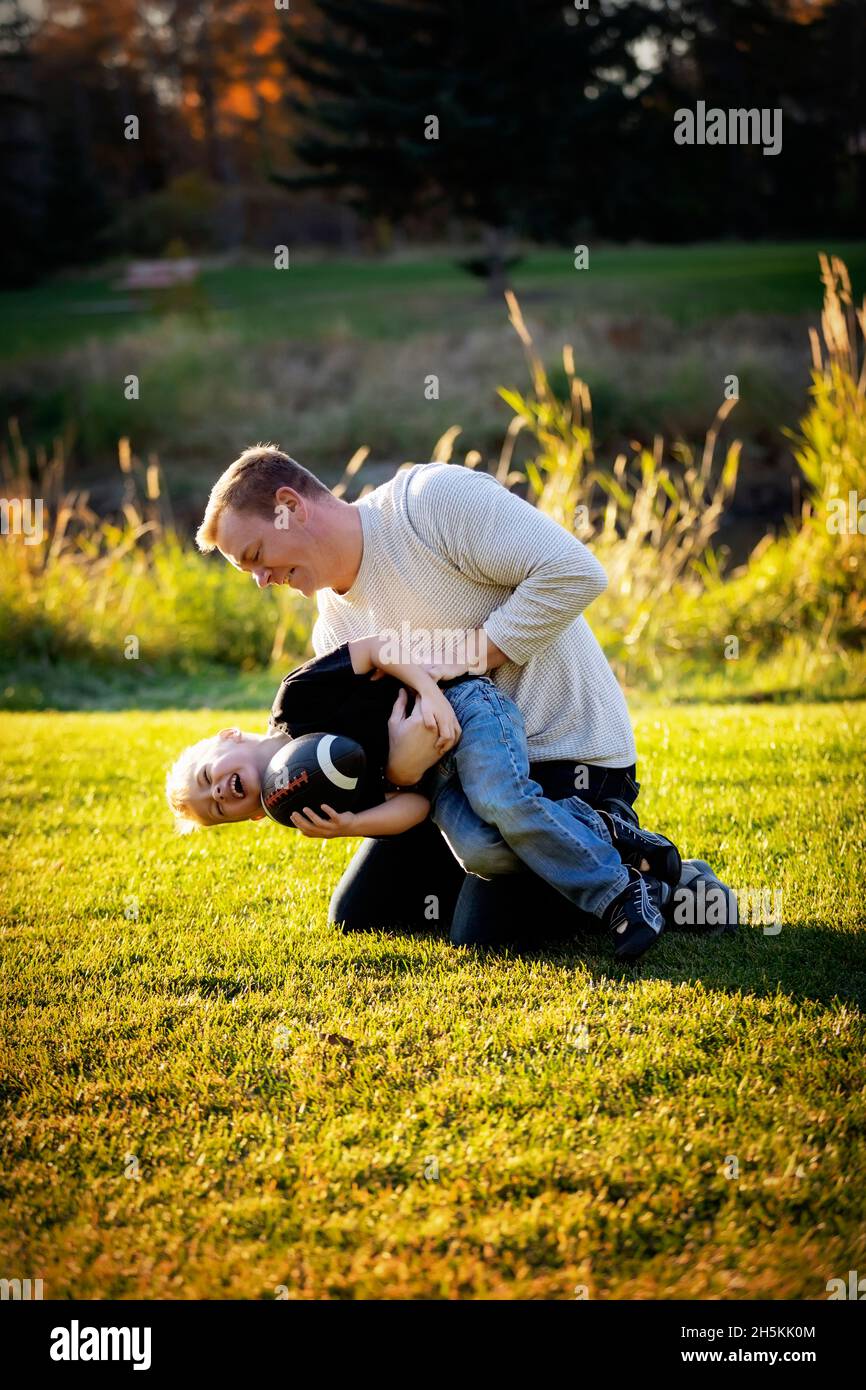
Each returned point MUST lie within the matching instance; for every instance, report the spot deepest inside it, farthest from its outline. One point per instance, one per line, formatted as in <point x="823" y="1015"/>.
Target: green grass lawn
<point x="386" y="1116"/>
<point x="394" y="297"/>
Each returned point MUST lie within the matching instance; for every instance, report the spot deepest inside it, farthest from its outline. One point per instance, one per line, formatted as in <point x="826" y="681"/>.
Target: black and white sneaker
<point x="634" y="845"/>
<point x="635" y="918"/>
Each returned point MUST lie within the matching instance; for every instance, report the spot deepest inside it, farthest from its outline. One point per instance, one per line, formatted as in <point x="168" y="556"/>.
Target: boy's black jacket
<point x="327" y="696"/>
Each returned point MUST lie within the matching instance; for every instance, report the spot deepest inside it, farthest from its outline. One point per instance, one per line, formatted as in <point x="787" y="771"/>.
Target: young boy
<point x="482" y="798"/>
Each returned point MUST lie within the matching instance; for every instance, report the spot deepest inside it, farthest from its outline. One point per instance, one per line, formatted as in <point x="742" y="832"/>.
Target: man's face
<point x="225" y="784"/>
<point x="284" y="554"/>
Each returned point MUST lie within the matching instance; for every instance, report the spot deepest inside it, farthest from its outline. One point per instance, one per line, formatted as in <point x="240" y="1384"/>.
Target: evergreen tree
<point x="803" y="58"/>
<point x="503" y="115"/>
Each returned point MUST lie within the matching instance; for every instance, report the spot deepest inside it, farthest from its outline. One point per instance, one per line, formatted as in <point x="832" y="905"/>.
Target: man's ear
<point x="234" y="734"/>
<point x="287" y="500"/>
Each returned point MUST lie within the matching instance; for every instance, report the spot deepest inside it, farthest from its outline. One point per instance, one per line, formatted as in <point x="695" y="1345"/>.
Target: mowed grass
<point x="306" y="357"/>
<point x="395" y="296"/>
<point x="385" y="1116"/>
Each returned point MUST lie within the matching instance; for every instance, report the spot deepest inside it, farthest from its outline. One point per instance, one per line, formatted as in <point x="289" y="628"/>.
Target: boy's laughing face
<point x="225" y="782"/>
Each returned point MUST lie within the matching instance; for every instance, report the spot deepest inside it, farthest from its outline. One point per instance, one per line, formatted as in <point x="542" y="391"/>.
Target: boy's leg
<point x="501" y="902"/>
<point x="479" y="847"/>
<point x="615" y="790"/>
<point x="565" y="843"/>
<point x="409" y="881"/>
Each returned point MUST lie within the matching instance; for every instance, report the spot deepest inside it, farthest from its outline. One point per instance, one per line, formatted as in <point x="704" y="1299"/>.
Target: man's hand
<point x="493" y="657"/>
<point x="438" y="714"/>
<point x="482" y="655"/>
<point x="412" y="746"/>
<point x="329" y="826"/>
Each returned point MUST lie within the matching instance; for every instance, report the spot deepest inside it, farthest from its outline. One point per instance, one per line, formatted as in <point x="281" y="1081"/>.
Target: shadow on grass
<point x="808" y="961"/>
<point x="79" y="686"/>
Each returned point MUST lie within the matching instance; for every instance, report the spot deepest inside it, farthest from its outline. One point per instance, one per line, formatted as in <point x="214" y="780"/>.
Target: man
<point x="436" y="548"/>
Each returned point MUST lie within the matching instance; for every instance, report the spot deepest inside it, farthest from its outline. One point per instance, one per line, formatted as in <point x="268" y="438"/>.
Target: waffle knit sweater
<point x="448" y="548"/>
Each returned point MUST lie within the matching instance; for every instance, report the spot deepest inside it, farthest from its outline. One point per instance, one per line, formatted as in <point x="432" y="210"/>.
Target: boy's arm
<point x="392" y="817"/>
<point x="374" y="653"/>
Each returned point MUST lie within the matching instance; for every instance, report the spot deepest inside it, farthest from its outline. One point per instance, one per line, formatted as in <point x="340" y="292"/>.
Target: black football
<point x="314" y="770"/>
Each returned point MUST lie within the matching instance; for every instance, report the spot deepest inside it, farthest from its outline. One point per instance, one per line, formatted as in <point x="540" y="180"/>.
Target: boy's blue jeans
<point x="497" y="820"/>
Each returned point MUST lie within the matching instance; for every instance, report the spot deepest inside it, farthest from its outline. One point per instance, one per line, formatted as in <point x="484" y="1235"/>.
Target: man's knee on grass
<point x="480" y="851"/>
<point x="218" y="781"/>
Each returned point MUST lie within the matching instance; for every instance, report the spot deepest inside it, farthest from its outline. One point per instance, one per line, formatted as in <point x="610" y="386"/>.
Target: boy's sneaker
<point x="634" y="845"/>
<point x="635" y="918"/>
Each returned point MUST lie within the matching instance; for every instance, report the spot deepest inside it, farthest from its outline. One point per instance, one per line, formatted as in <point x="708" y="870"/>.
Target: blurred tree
<point x="225" y="66"/>
<point x="531" y="117"/>
<point x="505" y="117"/>
<point x="205" y="81"/>
<point x="804" y="57"/>
<point x="92" y="78"/>
<point x="23" y="152"/>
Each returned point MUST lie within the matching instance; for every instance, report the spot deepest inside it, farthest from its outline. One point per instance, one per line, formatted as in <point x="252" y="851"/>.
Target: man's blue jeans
<point x="497" y="820"/>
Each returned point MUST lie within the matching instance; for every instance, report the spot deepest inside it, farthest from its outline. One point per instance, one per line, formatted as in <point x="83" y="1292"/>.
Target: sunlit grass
<point x="289" y="1093"/>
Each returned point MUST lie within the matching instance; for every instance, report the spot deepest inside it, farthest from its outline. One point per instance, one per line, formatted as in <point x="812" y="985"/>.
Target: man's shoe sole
<point x="693" y="871"/>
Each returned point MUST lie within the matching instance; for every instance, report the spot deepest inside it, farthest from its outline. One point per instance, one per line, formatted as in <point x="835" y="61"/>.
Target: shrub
<point x="92" y="583"/>
<point x="797" y="608"/>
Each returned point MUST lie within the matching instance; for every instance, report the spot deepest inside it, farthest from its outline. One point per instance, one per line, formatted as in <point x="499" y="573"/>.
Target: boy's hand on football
<point x="330" y="825"/>
<point x="439" y="716"/>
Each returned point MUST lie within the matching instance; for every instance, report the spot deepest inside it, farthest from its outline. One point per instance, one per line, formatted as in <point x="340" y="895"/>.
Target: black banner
<point x="79" y="1340"/>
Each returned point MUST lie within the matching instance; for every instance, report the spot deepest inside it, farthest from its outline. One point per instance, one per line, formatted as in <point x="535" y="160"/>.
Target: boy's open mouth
<point x="237" y="785"/>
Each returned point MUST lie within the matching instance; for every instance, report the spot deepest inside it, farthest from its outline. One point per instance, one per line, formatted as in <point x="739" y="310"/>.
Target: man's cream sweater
<point x="449" y="548"/>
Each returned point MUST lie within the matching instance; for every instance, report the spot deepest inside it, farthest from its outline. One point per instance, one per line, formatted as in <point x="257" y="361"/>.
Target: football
<point x="313" y="770"/>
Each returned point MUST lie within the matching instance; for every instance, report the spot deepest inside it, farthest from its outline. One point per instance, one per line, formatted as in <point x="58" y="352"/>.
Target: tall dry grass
<point x="114" y="589"/>
<point x="800" y="600"/>
<point x="650" y="519"/>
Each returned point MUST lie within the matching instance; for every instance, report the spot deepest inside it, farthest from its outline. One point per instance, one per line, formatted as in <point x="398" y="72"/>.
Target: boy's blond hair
<point x="249" y="484"/>
<point x="178" y="781"/>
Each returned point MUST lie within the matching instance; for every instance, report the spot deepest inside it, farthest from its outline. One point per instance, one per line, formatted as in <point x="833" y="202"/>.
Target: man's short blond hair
<point x="249" y="485"/>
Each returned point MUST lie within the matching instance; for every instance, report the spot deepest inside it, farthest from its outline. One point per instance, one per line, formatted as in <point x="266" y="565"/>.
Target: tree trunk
<point x="495" y="249"/>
